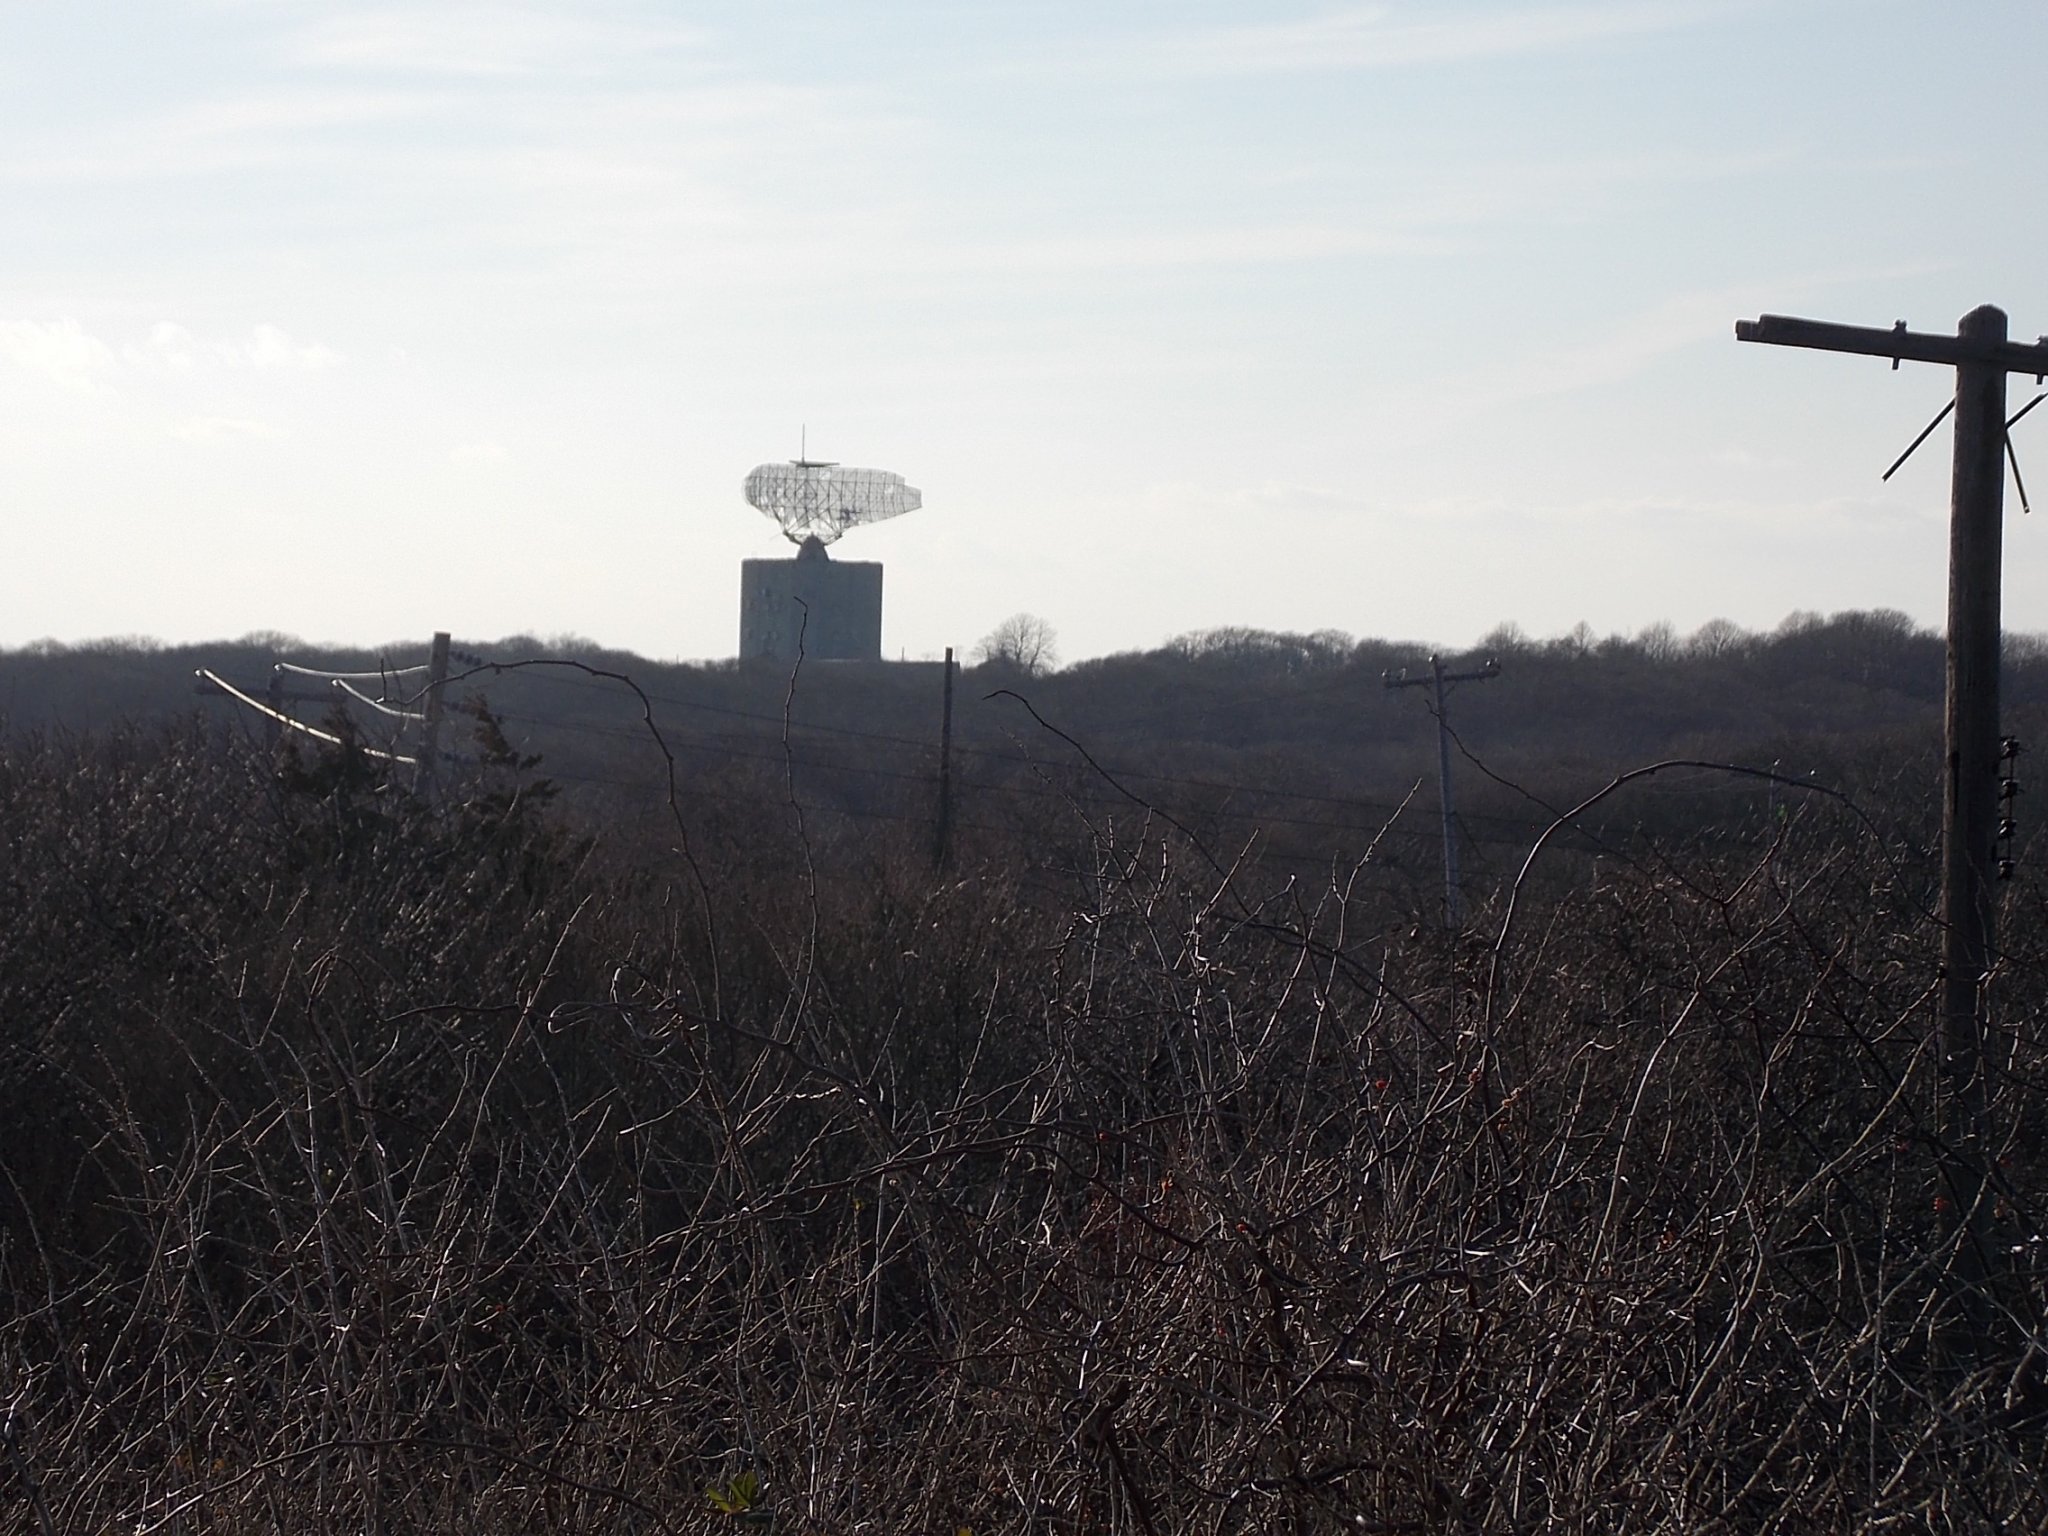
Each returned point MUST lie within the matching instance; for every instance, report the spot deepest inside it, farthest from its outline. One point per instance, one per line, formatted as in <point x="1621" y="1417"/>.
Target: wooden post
<point x="273" y="734"/>
<point x="430" y="726"/>
<point x="1454" y="916"/>
<point x="942" y="837"/>
<point x="1970" y="810"/>
<point x="1982" y="357"/>
<point x="1453" y="900"/>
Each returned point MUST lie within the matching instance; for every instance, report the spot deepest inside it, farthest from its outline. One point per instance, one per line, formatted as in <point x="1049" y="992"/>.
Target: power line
<point x="381" y="673"/>
<point x="767" y="752"/>
<point x="289" y="723"/>
<point x="377" y="704"/>
<point x="761" y="747"/>
<point x="1077" y="797"/>
<point x="1137" y="774"/>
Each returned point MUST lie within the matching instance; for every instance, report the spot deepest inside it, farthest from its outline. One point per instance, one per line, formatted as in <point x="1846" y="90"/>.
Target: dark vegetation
<point x="1293" y="738"/>
<point x="591" y="1149"/>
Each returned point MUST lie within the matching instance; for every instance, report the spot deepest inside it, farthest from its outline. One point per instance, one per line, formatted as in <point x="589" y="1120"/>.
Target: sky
<point x="354" y="322"/>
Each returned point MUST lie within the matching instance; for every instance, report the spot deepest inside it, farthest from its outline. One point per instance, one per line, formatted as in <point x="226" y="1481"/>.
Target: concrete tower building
<point x="827" y="609"/>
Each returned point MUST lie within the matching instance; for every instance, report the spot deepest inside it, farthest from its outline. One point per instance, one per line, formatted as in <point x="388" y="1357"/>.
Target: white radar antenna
<point x="819" y="499"/>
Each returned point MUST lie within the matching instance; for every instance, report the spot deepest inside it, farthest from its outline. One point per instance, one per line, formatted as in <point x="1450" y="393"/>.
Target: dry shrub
<point x="372" y="1168"/>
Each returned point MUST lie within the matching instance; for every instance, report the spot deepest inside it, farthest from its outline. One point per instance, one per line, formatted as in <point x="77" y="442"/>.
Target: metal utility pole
<point x="942" y="837"/>
<point x="1438" y="677"/>
<point x="430" y="723"/>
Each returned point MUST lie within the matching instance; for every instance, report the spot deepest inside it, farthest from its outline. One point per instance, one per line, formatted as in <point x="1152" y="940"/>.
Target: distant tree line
<point x="1289" y="737"/>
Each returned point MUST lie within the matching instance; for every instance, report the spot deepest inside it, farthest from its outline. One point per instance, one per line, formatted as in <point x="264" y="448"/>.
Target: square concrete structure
<point x="834" y="605"/>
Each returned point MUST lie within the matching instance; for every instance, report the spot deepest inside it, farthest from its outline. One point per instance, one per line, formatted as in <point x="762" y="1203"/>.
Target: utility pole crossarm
<point x="1401" y="679"/>
<point x="1898" y="343"/>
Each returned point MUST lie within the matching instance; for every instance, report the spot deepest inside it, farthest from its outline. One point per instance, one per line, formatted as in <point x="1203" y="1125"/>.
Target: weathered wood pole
<point x="273" y="693"/>
<point x="1970" y="812"/>
<point x="429" y="772"/>
<point x="1438" y="677"/>
<point x="1454" y="907"/>
<point x="942" y="836"/>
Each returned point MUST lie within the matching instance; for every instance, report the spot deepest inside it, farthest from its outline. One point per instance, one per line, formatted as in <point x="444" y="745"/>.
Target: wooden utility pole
<point x="273" y="733"/>
<point x="942" y="837"/>
<point x="1982" y="357"/>
<point x="430" y="723"/>
<point x="1453" y="904"/>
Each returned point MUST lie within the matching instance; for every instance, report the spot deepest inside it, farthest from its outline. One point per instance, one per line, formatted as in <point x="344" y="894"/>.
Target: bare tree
<point x="1577" y="642"/>
<point x="1717" y="637"/>
<point x="1024" y="641"/>
<point x="1659" y="641"/>
<point x="1505" y="639"/>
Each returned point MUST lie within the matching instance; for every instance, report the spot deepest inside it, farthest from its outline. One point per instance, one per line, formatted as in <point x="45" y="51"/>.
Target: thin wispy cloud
<point x="173" y="349"/>
<point x="1361" y="37"/>
<point x="1165" y="249"/>
<point x="1455" y="196"/>
<point x="1633" y="342"/>
<point x="65" y="354"/>
<point x="480" y="40"/>
<point x="223" y="136"/>
<point x="1622" y="349"/>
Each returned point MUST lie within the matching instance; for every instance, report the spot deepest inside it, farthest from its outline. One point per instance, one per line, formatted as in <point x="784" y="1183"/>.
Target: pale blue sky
<point x="360" y="321"/>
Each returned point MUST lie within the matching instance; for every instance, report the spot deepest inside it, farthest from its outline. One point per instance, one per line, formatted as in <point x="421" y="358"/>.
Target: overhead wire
<point x="289" y="723"/>
<point x="383" y="672"/>
<point x="767" y="752"/>
<point x="776" y="749"/>
<point x="377" y="704"/>
<point x="1253" y="819"/>
<point x="1122" y="771"/>
<point x="884" y="736"/>
<point x="1516" y="830"/>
